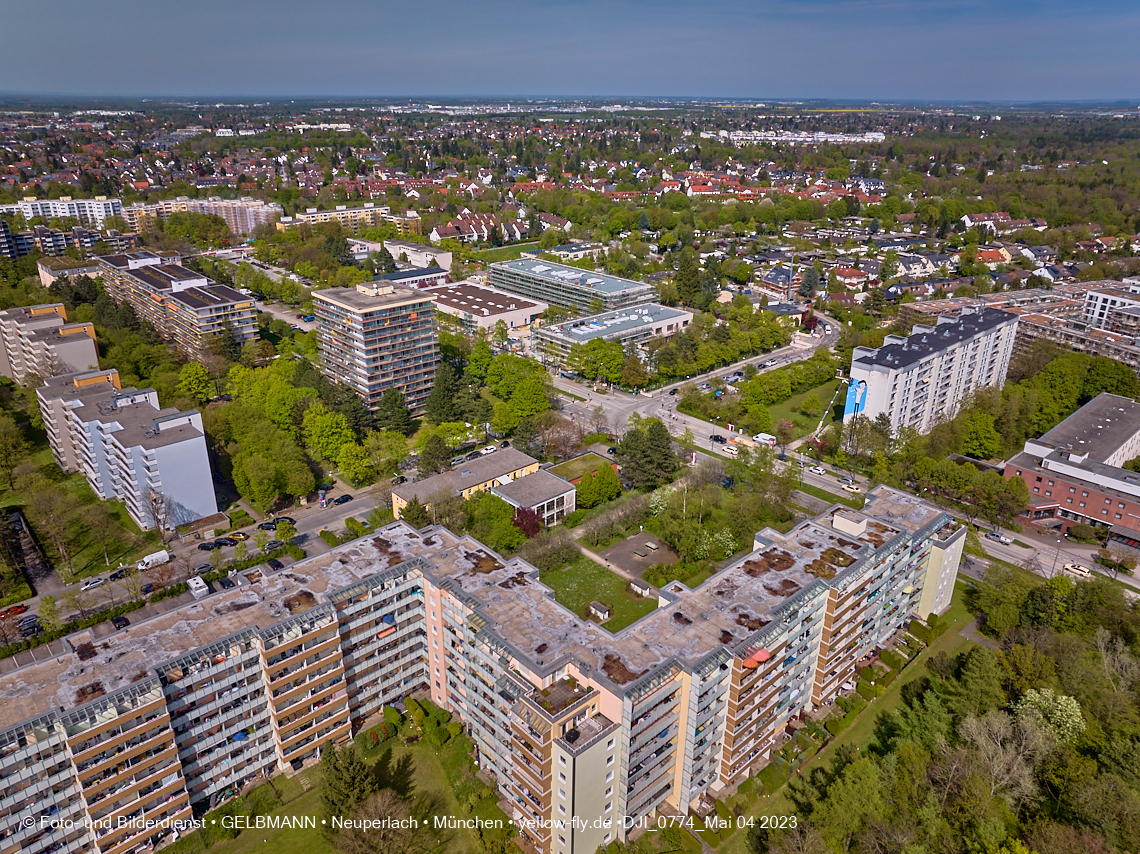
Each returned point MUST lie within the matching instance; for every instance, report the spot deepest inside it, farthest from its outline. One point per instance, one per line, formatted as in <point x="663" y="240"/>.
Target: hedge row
<point x="892" y="659"/>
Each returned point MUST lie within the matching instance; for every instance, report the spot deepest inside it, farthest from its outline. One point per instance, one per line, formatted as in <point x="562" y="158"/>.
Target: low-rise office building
<point x="567" y="717"/>
<point x="468" y="478"/>
<point x="627" y="327"/>
<point x="187" y="308"/>
<point x="130" y="449"/>
<point x="38" y="340"/>
<point x="548" y="495"/>
<point x="924" y="378"/>
<point x="479" y="308"/>
<point x="419" y="277"/>
<point x="1074" y="473"/>
<point x="418" y="255"/>
<point x="558" y="284"/>
<point x="51" y="270"/>
<point x="378" y="336"/>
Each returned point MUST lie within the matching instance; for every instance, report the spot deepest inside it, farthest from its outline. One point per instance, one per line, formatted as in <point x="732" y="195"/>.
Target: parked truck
<point x="152" y="560"/>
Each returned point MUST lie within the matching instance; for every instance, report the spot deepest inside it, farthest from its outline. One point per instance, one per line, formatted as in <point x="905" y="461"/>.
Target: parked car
<point x="288" y="520"/>
<point x="264" y="526"/>
<point x="273" y="545"/>
<point x="226" y="583"/>
<point x="611" y="450"/>
<point x="853" y="487"/>
<point x="999" y="537"/>
<point x="458" y="461"/>
<point x="342" y="499"/>
<point x="474" y="455"/>
<point x="782" y="457"/>
<point x="117" y="574"/>
<point x="1077" y="570"/>
<point x="239" y="535"/>
<point x="817" y="470"/>
<point x="120" y="622"/>
<point x="225" y="542"/>
<point x="147" y="589"/>
<point x="490" y="449"/>
<point x="13" y="611"/>
<point x="30" y="631"/>
<point x="208" y="547"/>
<point x="299" y="316"/>
<point x="92" y="583"/>
<point x="275" y="563"/>
<point x="30" y="620"/>
<point x="504" y="444"/>
<point x="398" y="479"/>
<point x="846" y="480"/>
<point x="309" y="318"/>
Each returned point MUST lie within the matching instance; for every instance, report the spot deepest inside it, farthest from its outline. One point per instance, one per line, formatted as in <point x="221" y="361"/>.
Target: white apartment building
<point x="129" y="448"/>
<point x="241" y="215"/>
<point x="89" y="212"/>
<point x="1101" y="303"/>
<point x="924" y="378"/>
<point x="38" y="340"/>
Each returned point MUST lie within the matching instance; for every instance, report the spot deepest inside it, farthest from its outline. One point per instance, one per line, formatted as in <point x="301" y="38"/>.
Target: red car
<point x="15" y="610"/>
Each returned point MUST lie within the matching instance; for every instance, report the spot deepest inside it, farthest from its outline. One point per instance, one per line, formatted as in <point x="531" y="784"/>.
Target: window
<point x="609" y="760"/>
<point x="1072" y="489"/>
<point x="607" y="837"/>
<point x="561" y="776"/>
<point x="1084" y="495"/>
<point x="435" y="643"/>
<point x="1050" y="483"/>
<point x="609" y="776"/>
<point x="1121" y="505"/>
<point x="1081" y="504"/>
<point x="1118" y="516"/>
<point x="1068" y="501"/>
<point x="609" y="806"/>
<point x="435" y="655"/>
<point x="1104" y="512"/>
<point x="610" y="743"/>
<point x="609" y="791"/>
<point x="1108" y="501"/>
<point x="562" y="794"/>
<point x="1048" y="492"/>
<point x="1019" y="472"/>
<point x="562" y="760"/>
<point x="1035" y="489"/>
<point x="1038" y="480"/>
<point x="561" y="809"/>
<point x="437" y="684"/>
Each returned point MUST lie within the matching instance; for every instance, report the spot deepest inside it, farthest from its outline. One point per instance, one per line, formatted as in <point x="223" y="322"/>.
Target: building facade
<point x="558" y="284"/>
<point x="356" y="218"/>
<point x="467" y="479"/>
<point x="568" y="718"/>
<point x="628" y="327"/>
<point x="187" y="308"/>
<point x="548" y="495"/>
<point x="479" y="308"/>
<point x="38" y="340"/>
<point x="378" y="336"/>
<point x="923" y="379"/>
<point x="154" y="460"/>
<point x="89" y="212"/>
<point x="241" y="215"/>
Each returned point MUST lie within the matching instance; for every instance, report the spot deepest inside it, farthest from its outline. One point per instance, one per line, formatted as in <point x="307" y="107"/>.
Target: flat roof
<point x="470" y="472"/>
<point x="944" y="336"/>
<point x="359" y="301"/>
<point x="480" y="299"/>
<point x="532" y="489"/>
<point x="563" y="274"/>
<point x="417" y="273"/>
<point x="616" y="322"/>
<point x="1098" y="428"/>
<point x="520" y="610"/>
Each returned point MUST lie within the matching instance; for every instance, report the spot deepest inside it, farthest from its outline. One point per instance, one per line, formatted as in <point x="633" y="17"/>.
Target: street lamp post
<point x="1056" y="556"/>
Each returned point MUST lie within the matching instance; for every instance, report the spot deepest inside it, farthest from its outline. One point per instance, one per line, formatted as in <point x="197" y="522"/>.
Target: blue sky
<point x="858" y="49"/>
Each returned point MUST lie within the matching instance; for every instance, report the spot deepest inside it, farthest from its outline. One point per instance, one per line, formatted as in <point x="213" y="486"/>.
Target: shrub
<point x="887" y="678"/>
<point x="392" y="715"/>
<point x="843" y="703"/>
<point x="866" y="690"/>
<point x="357" y="528"/>
<point x="836" y="725"/>
<point x="170" y="591"/>
<point x="454" y="729"/>
<point x="920" y="631"/>
<point x="866" y="672"/>
<point x="892" y="659"/>
<point x="411" y="705"/>
<point x="329" y="537"/>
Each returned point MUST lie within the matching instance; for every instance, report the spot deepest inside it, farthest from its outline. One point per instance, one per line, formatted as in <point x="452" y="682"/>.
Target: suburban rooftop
<point x="601" y="282"/>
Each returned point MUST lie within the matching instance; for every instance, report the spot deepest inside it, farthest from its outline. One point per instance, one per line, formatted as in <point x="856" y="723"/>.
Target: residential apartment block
<point x="378" y="336"/>
<point x="152" y="459"/>
<point x="1102" y="303"/>
<point x="924" y="378"/>
<point x="241" y="215"/>
<point x="568" y="718"/>
<point x="89" y="212"/>
<point x="356" y="218"/>
<point x="1118" y="342"/>
<point x="627" y="327"/>
<point x="558" y="284"/>
<point x="1075" y="474"/>
<point x="185" y="306"/>
<point x="38" y="340"/>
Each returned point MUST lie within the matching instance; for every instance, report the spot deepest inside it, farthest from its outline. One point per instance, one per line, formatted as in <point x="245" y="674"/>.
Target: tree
<point x="355" y="464"/>
<point x="607" y="484"/>
<point x="102" y="526"/>
<point x="633" y="373"/>
<point x="385" y="450"/>
<point x="529" y="398"/>
<point x="285" y="531"/>
<point x="688" y="278"/>
<point x="981" y="440"/>
<point x="785" y="432"/>
<point x="13" y="447"/>
<point x="194" y="382"/>
<point x="646" y="454"/>
<point x="1058" y="714"/>
<point x="415" y="514"/>
<point x="500" y="333"/>
<point x="388" y="823"/>
<point x="345" y="780"/>
<point x="53" y="514"/>
<point x="325" y="432"/>
<point x="491" y="522"/>
<point x="49" y="613"/>
<point x="393" y="414"/>
<point x="1116" y="562"/>
<point x="809" y="284"/>
<point x="435" y="456"/>
<point x="441" y="406"/>
<point x="586" y="495"/>
<point x="159" y="509"/>
<point x="528" y="521"/>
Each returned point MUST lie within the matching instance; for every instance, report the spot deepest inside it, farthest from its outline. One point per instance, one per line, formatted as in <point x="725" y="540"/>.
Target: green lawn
<point x="850" y="499"/>
<point x="505" y="253"/>
<point x="805" y="424"/>
<point x="580" y="466"/>
<point x="586" y="581"/>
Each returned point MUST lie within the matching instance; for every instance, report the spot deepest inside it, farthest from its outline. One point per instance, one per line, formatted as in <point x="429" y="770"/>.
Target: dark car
<point x="275" y="563"/>
<point x="226" y="583"/>
<point x="611" y="450"/>
<point x="782" y="457"/>
<point x="225" y="541"/>
<point x="720" y="440"/>
<point x="846" y="480"/>
<point x="117" y="574"/>
<point x="31" y="630"/>
<point x="326" y="486"/>
<point x="672" y="392"/>
<point x="309" y="318"/>
<point x="120" y="622"/>
<point x="504" y="444"/>
<point x="288" y="520"/>
<point x="342" y="499"/>
<point x="267" y="526"/>
<point x="474" y="455"/>
<point x="147" y="589"/>
<point x="208" y="547"/>
<point x="203" y="567"/>
<point x="398" y="479"/>
<point x="273" y="545"/>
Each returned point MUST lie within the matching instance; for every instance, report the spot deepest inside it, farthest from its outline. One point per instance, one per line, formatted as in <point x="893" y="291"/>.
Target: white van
<point x="156" y="559"/>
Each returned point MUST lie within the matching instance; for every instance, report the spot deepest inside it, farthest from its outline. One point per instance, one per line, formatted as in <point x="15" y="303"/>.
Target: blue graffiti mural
<point x="856" y="398"/>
